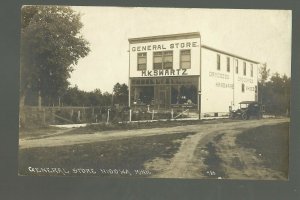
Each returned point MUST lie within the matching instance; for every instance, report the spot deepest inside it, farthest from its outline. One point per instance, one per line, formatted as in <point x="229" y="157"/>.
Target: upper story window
<point x="168" y="59"/>
<point x="245" y="69"/>
<point x="236" y="66"/>
<point x="163" y="60"/>
<point x="185" y="59"/>
<point x="228" y="64"/>
<point x="251" y="70"/>
<point x="243" y="87"/>
<point x="141" y="61"/>
<point x="218" y="62"/>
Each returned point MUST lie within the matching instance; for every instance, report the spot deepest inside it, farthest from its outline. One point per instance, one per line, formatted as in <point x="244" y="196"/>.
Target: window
<point x="228" y="64"/>
<point x="142" y="61"/>
<point x="185" y="59"/>
<point x="236" y="66"/>
<point x="157" y="60"/>
<point x="243" y="87"/>
<point x="245" y="71"/>
<point x="218" y="62"/>
<point x="168" y="59"/>
<point x="251" y="70"/>
<point x="163" y="60"/>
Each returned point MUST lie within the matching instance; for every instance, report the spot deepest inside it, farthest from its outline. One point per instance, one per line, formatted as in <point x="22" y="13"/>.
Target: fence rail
<point x="35" y="116"/>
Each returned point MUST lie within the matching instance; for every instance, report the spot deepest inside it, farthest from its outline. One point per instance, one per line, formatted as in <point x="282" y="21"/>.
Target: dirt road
<point x="189" y="161"/>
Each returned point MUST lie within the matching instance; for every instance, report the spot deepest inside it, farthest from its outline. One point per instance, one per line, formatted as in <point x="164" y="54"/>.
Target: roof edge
<point x="165" y="37"/>
<point x="230" y="54"/>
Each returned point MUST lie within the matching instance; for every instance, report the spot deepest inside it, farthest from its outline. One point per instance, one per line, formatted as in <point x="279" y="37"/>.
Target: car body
<point x="247" y="110"/>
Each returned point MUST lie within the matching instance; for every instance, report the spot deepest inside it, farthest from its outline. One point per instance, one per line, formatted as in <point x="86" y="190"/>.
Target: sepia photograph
<point x="180" y="93"/>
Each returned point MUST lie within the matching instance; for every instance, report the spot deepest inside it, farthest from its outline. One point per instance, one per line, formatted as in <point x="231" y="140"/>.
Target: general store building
<point x="178" y="71"/>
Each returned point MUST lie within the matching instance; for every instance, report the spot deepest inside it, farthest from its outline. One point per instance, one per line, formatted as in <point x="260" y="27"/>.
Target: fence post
<point x="130" y="114"/>
<point x="44" y="116"/>
<point x="152" y="114"/>
<point x="172" y="114"/>
<point x="107" y="116"/>
<point x="78" y="115"/>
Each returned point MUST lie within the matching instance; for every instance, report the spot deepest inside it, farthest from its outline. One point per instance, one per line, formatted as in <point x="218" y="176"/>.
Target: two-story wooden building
<point x="175" y="71"/>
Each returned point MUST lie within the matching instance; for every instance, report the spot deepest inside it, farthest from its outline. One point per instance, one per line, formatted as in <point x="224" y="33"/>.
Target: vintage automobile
<point x="247" y="110"/>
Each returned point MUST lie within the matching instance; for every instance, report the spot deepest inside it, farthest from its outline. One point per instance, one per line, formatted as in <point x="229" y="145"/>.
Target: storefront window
<point x="184" y="94"/>
<point x="143" y="95"/>
<point x="164" y="92"/>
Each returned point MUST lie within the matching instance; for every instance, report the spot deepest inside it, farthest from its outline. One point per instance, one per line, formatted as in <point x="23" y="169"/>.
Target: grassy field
<point x="271" y="144"/>
<point x="128" y="154"/>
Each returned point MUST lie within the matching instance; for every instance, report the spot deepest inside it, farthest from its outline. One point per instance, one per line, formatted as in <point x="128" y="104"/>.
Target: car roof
<point x="248" y="102"/>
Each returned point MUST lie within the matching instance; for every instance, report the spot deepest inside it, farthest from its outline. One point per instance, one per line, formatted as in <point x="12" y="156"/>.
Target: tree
<point x="51" y="45"/>
<point x="264" y="74"/>
<point x="120" y="93"/>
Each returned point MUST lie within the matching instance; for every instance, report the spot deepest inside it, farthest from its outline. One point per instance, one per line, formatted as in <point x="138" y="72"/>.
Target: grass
<point x="271" y="144"/>
<point x="128" y="154"/>
<point x="92" y="128"/>
<point x="41" y="131"/>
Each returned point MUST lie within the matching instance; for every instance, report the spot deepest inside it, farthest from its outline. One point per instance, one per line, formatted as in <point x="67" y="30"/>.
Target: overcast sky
<point x="261" y="35"/>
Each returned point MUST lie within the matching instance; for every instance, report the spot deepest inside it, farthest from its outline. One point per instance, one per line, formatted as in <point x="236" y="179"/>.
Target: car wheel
<point x="244" y="116"/>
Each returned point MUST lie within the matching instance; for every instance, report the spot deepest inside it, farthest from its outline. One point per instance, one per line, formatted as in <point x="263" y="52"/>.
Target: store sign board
<point x="156" y="47"/>
<point x="164" y="72"/>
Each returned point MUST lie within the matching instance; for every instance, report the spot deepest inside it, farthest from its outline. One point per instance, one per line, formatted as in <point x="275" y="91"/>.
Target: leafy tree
<point x="120" y="93"/>
<point x="264" y="74"/>
<point x="51" y="45"/>
<point x="95" y="98"/>
<point x="107" y="99"/>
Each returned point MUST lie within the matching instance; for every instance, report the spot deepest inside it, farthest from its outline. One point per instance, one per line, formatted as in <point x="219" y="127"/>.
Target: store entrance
<point x="162" y="97"/>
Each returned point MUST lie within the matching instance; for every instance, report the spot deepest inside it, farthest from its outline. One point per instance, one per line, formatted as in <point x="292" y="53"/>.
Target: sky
<point x="260" y="35"/>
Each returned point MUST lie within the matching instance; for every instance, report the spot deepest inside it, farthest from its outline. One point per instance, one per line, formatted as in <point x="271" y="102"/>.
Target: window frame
<point x="228" y="63"/>
<point x="251" y="69"/>
<point x="140" y="53"/>
<point x="218" y="62"/>
<point x="244" y="68"/>
<point x="163" y="55"/>
<point x="190" y="54"/>
<point x="243" y="88"/>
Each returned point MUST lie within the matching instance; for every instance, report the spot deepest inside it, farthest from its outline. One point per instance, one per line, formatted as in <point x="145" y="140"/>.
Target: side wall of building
<point x="222" y="87"/>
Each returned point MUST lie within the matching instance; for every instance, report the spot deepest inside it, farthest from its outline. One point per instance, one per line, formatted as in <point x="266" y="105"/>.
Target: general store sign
<point x="156" y="47"/>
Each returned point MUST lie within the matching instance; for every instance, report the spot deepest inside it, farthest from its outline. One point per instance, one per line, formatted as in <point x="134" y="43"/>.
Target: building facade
<point x="177" y="71"/>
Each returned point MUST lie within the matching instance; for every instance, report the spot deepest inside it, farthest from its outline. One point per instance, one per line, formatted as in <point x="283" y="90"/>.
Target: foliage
<point x="120" y="94"/>
<point x="264" y="73"/>
<point x="51" y="45"/>
<point x="75" y="97"/>
<point x="274" y="92"/>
